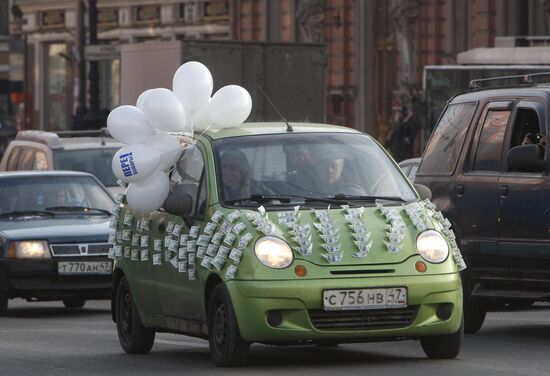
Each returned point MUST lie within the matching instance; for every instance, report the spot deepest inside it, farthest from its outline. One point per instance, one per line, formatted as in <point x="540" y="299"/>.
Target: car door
<point x="476" y="191"/>
<point x="524" y="220"/>
<point x="179" y="294"/>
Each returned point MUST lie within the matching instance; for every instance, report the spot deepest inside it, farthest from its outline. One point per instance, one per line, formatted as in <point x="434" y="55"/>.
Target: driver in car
<point x="236" y="176"/>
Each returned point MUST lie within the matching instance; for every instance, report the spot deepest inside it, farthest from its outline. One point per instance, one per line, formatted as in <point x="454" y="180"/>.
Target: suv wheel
<point x="3" y="303"/>
<point x="132" y="335"/>
<point x="74" y="303"/>
<point x="227" y="348"/>
<point x="445" y="346"/>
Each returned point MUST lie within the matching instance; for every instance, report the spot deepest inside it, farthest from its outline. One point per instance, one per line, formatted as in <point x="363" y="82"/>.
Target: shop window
<point x="56" y="107"/>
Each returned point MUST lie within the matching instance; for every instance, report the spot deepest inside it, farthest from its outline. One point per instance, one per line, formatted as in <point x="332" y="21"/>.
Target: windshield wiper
<point x="23" y="213"/>
<point x="341" y="196"/>
<point x="78" y="209"/>
<point x="286" y="199"/>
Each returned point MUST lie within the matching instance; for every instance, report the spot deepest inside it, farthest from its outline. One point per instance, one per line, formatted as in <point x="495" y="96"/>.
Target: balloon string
<point x="207" y="128"/>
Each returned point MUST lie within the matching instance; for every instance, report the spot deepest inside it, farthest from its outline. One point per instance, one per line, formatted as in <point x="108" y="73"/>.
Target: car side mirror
<point x="179" y="201"/>
<point x="526" y="158"/>
<point x="423" y="191"/>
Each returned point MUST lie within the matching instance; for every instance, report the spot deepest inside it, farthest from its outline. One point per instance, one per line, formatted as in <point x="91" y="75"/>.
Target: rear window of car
<point x="443" y="149"/>
<point x="94" y="161"/>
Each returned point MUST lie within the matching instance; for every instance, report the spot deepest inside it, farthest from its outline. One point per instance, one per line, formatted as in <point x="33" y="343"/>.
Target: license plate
<point x="84" y="267"/>
<point x="377" y="298"/>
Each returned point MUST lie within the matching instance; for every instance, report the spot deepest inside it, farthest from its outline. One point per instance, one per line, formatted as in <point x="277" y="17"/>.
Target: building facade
<point x="377" y="48"/>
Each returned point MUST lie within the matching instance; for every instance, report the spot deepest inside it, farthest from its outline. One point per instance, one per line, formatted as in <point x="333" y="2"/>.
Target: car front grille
<point x="81" y="249"/>
<point x="363" y="319"/>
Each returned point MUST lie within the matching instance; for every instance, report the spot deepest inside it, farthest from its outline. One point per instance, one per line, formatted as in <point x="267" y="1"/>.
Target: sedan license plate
<point x="374" y="298"/>
<point x="84" y="267"/>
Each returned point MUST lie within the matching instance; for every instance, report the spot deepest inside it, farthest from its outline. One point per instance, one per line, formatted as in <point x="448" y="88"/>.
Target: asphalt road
<point x="47" y="339"/>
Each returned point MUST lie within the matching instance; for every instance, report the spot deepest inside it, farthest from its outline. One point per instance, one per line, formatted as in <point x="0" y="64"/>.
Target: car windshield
<point x="306" y="167"/>
<point x="93" y="161"/>
<point x="52" y="194"/>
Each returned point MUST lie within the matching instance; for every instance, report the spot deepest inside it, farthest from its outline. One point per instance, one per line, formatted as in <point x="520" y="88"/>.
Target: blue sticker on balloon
<point x="127" y="164"/>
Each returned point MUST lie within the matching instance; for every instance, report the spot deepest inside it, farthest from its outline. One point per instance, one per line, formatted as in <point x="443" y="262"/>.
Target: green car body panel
<point x="168" y="300"/>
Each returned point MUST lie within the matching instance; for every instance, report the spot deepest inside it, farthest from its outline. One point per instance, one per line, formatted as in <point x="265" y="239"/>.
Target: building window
<point x="186" y="12"/>
<point x="4" y="18"/>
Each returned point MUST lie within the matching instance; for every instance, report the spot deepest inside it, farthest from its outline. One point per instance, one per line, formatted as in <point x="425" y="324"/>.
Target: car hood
<point x="375" y="227"/>
<point x="93" y="229"/>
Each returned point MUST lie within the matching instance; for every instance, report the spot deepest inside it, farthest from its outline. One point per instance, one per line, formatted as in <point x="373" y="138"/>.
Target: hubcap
<point x="220" y="325"/>
<point x="125" y="317"/>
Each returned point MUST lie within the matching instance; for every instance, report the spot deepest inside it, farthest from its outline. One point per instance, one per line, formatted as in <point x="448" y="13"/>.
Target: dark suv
<point x="486" y="164"/>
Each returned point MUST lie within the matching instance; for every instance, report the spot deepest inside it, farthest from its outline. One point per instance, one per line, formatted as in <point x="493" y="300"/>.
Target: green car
<point x="279" y="234"/>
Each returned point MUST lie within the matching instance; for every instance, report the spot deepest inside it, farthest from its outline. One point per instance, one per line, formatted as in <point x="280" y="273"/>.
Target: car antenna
<point x="288" y="126"/>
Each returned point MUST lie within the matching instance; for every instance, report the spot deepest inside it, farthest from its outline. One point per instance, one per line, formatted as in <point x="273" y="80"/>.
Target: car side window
<point x="443" y="149"/>
<point x="188" y="173"/>
<point x="26" y="160"/>
<point x="40" y="161"/>
<point x="489" y="147"/>
<point x="11" y="164"/>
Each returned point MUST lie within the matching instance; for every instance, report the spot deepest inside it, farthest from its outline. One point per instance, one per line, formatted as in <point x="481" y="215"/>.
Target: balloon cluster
<point x="150" y="127"/>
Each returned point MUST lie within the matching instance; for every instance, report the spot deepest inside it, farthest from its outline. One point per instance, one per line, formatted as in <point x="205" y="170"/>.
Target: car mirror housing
<point x="179" y="201"/>
<point x="423" y="191"/>
<point x="526" y="158"/>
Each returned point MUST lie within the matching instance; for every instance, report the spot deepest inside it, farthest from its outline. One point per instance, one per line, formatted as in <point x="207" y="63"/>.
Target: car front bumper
<point x="40" y="280"/>
<point x="299" y="303"/>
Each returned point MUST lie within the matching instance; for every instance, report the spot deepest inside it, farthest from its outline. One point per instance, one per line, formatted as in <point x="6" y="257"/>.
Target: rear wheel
<point x="227" y="348"/>
<point x="3" y="303"/>
<point x="132" y="335"/>
<point x="474" y="309"/>
<point x="445" y="346"/>
<point x="74" y="303"/>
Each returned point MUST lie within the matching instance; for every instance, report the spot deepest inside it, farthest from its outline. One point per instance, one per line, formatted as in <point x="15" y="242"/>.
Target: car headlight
<point x="432" y="246"/>
<point x="30" y="249"/>
<point x="273" y="252"/>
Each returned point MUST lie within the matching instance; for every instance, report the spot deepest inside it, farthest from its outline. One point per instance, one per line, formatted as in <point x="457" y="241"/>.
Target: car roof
<point x="69" y="140"/>
<point x="266" y="128"/>
<point x="34" y="173"/>
<point x="511" y="91"/>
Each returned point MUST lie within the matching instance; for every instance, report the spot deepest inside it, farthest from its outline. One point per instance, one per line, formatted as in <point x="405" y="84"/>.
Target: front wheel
<point x="74" y="303"/>
<point x="3" y="304"/>
<point x="132" y="335"/>
<point x="227" y="348"/>
<point x="445" y="346"/>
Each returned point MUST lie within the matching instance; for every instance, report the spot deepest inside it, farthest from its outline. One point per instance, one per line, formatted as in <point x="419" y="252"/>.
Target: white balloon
<point x="201" y="118"/>
<point x="141" y="99"/>
<point x="148" y="195"/>
<point x="135" y="162"/>
<point x="192" y="84"/>
<point x="128" y="124"/>
<point x="168" y="147"/>
<point x="230" y="106"/>
<point x="164" y="111"/>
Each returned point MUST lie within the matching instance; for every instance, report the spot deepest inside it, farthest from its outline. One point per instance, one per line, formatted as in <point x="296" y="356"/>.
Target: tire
<point x="3" y="304"/>
<point x="474" y="309"/>
<point x="445" y="346"/>
<point x="227" y="348"/>
<point x="74" y="303"/>
<point x="132" y="335"/>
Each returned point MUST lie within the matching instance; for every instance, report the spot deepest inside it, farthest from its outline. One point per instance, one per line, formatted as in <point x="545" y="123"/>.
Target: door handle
<point x="459" y="189"/>
<point x="503" y="190"/>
